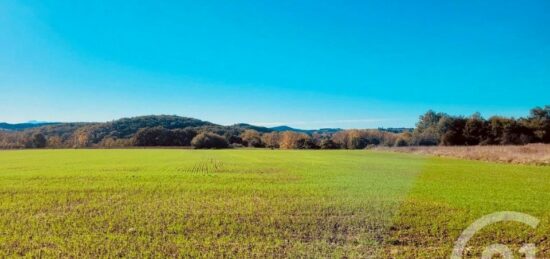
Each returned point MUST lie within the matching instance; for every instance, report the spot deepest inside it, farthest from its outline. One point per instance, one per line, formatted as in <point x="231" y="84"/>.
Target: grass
<point x="258" y="203"/>
<point x="450" y="194"/>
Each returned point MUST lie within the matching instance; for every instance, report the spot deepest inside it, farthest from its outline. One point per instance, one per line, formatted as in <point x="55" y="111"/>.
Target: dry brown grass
<point x="538" y="154"/>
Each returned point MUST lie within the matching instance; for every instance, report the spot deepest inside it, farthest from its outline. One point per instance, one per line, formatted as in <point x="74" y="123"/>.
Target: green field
<point x="259" y="203"/>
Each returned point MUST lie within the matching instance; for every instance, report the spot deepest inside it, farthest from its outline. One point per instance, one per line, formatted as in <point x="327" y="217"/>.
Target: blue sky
<point x="308" y="64"/>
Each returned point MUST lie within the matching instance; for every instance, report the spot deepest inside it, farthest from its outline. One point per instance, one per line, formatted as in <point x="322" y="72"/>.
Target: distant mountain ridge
<point x="128" y="126"/>
<point x="23" y="126"/>
<point x="312" y="131"/>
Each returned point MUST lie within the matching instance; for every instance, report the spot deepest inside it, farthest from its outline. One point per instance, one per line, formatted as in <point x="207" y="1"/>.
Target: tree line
<point x="433" y="128"/>
<point x="442" y="129"/>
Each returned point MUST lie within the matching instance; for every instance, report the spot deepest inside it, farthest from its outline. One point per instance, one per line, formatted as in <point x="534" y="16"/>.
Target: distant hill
<point x="245" y="126"/>
<point x="22" y="126"/>
<point x="396" y="130"/>
<point x="126" y="127"/>
<point x="318" y="131"/>
<point x="121" y="128"/>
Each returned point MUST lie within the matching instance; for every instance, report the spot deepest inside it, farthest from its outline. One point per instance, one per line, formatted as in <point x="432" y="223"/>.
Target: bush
<point x="271" y="140"/>
<point x="236" y="145"/>
<point x="38" y="140"/>
<point x="251" y="138"/>
<point x="294" y="140"/>
<point x="233" y="139"/>
<point x="209" y="140"/>
<point x="306" y="143"/>
<point x="401" y="142"/>
<point x="328" y="144"/>
<point x="426" y="138"/>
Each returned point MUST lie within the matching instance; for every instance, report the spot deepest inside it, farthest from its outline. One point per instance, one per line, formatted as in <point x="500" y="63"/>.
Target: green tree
<point x="539" y="121"/>
<point x="475" y="130"/>
<point x="450" y="130"/>
<point x="426" y="132"/>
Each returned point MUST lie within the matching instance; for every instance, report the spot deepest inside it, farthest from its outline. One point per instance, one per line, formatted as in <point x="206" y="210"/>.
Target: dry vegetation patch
<point x="538" y="154"/>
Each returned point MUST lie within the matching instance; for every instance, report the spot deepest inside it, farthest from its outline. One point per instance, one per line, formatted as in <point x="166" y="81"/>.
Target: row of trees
<point x="10" y="140"/>
<point x="204" y="138"/>
<point x="443" y="129"/>
<point x="347" y="139"/>
<point x="432" y="129"/>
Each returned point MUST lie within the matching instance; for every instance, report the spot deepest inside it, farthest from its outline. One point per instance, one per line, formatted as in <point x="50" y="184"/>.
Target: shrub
<point x="233" y="139"/>
<point x="251" y="138"/>
<point x="38" y="140"/>
<point x="401" y="142"/>
<point x="328" y="144"/>
<point x="294" y="140"/>
<point x="236" y="145"/>
<point x="271" y="140"/>
<point x="306" y="143"/>
<point x="426" y="138"/>
<point x="209" y="140"/>
<point x="359" y="139"/>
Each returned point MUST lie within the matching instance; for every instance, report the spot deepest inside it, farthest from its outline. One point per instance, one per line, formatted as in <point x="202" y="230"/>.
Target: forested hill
<point x="151" y="130"/>
<point x="120" y="132"/>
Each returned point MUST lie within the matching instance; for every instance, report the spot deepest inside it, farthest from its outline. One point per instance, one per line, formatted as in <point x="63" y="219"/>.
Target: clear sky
<point x="308" y="64"/>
